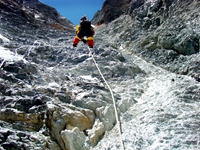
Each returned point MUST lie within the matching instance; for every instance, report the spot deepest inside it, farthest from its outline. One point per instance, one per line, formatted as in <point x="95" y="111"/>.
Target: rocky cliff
<point x="32" y="14"/>
<point x="52" y="96"/>
<point x="111" y="10"/>
<point x="164" y="30"/>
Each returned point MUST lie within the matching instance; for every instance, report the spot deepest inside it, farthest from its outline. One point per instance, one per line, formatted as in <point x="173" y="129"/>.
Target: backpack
<point x="85" y="25"/>
<point x="85" y="29"/>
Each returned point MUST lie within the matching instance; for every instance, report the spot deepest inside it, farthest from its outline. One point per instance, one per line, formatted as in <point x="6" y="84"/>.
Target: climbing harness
<point x="112" y="95"/>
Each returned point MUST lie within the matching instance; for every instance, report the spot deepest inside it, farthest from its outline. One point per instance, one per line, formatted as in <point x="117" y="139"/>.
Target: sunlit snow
<point x="7" y="55"/>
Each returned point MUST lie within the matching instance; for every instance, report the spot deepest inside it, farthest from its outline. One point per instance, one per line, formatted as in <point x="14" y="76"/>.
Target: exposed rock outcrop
<point x="164" y="30"/>
<point x="52" y="96"/>
<point x="111" y="10"/>
<point x="32" y="14"/>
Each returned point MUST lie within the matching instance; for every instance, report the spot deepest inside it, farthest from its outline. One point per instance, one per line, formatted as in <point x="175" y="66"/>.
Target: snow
<point x="82" y="95"/>
<point x="50" y="68"/>
<point x="7" y="55"/>
<point x="36" y="16"/>
<point x="54" y="85"/>
<point x="90" y="78"/>
<point x="4" y="39"/>
<point x="121" y="47"/>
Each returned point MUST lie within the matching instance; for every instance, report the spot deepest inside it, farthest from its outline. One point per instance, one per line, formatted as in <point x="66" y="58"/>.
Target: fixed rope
<point x="112" y="95"/>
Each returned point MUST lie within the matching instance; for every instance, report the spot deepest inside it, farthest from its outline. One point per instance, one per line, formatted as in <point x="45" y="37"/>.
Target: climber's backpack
<point x="85" y="25"/>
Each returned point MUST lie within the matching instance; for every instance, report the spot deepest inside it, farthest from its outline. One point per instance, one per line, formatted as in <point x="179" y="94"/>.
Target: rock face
<point x="164" y="30"/>
<point x="111" y="10"/>
<point x="52" y="96"/>
<point x="32" y="14"/>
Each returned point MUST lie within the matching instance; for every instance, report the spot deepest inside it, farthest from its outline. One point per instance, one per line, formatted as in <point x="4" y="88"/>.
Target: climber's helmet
<point x="84" y="18"/>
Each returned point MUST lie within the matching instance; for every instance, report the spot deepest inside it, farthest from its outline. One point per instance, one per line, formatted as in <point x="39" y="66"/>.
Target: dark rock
<point x="22" y="13"/>
<point x="63" y="97"/>
<point x="111" y="10"/>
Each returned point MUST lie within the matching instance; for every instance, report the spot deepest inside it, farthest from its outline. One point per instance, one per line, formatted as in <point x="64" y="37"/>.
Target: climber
<point x="82" y="30"/>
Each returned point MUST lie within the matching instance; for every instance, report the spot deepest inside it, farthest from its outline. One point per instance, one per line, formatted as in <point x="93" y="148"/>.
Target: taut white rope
<point x="112" y="95"/>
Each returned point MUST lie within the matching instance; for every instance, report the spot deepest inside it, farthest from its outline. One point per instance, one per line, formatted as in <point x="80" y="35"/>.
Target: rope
<point x="112" y="95"/>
